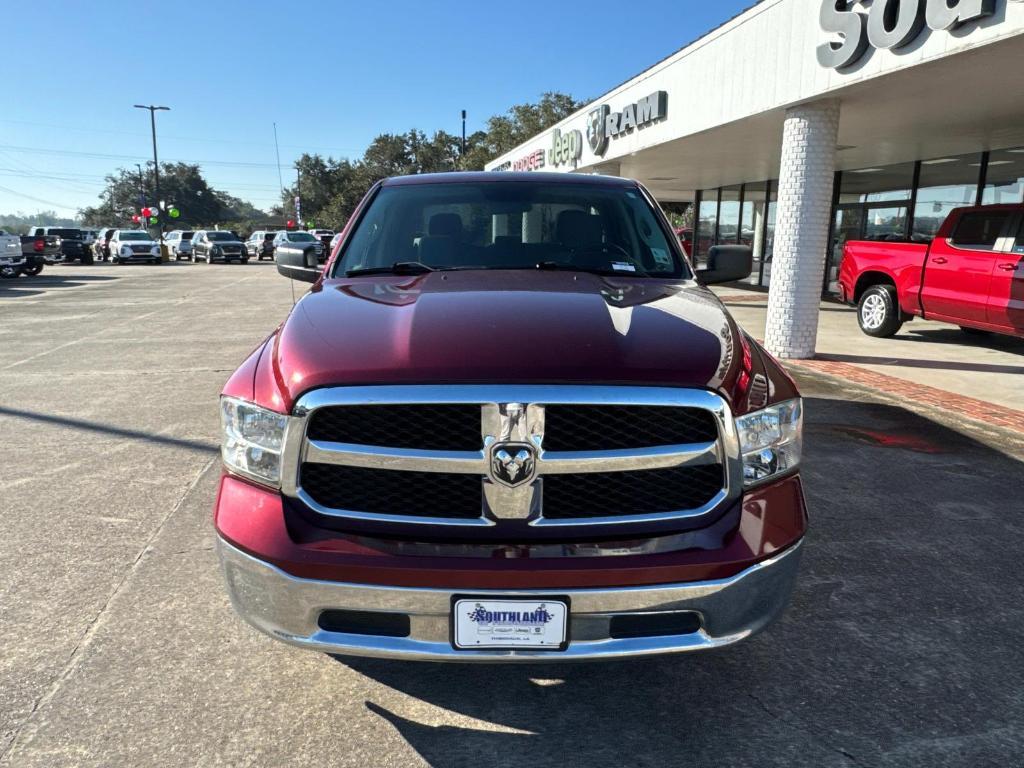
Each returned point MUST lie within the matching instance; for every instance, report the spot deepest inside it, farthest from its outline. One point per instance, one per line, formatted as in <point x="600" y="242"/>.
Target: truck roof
<point x="493" y="177"/>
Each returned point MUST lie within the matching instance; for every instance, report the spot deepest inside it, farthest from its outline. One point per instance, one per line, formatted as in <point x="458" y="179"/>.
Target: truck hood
<point x="505" y="327"/>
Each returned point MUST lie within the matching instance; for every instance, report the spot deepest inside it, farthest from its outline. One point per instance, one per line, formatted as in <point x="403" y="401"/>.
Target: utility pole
<point x="298" y="196"/>
<point x="156" y="163"/>
<point x="277" y="152"/>
<point x="462" y="156"/>
<point x="142" y="188"/>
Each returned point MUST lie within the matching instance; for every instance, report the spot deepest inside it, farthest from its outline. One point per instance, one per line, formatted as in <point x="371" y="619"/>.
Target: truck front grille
<point x="611" y="494"/>
<point x="493" y="455"/>
<point x="432" y="427"/>
<point x="384" y="492"/>
<point x="608" y="427"/>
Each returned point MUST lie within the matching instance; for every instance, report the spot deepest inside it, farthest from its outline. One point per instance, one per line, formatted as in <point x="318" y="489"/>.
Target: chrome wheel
<point x="872" y="312"/>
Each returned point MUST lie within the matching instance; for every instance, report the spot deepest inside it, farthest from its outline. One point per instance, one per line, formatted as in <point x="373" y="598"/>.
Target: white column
<point x="801" y="228"/>
<point x="760" y="211"/>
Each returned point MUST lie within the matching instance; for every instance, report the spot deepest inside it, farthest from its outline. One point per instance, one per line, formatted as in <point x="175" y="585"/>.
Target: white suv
<point x="179" y="243"/>
<point x="128" y="245"/>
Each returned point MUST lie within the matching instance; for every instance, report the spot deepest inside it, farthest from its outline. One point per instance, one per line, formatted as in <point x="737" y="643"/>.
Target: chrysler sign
<point x="888" y="24"/>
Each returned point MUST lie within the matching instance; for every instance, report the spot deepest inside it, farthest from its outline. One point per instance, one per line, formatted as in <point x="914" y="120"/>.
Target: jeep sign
<point x="888" y="24"/>
<point x="565" y="147"/>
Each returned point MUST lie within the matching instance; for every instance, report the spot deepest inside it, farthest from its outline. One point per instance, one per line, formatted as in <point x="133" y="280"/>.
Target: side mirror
<point x="298" y="263"/>
<point x="726" y="264"/>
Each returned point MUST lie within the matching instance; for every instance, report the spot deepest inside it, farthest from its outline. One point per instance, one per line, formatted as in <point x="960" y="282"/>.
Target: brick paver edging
<point x="972" y="408"/>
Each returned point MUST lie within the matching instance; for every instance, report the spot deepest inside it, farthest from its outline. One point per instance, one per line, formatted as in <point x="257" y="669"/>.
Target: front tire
<point x="8" y="272"/>
<point x="32" y="271"/>
<point x="878" y="313"/>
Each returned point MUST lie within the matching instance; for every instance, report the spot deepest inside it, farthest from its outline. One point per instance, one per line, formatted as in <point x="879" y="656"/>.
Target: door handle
<point x="1008" y="267"/>
<point x="939" y="260"/>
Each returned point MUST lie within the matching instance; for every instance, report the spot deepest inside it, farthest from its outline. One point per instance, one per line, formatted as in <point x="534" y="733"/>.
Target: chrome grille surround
<point x="513" y="414"/>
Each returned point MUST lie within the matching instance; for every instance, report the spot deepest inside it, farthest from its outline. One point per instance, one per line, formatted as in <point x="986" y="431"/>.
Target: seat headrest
<point x="445" y="225"/>
<point x="578" y="229"/>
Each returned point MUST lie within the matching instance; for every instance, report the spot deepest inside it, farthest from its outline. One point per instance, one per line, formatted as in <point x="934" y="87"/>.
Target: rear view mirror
<point x="298" y="262"/>
<point x="726" y="264"/>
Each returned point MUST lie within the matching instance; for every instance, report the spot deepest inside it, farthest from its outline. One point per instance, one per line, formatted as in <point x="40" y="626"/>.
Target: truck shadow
<point x="83" y="425"/>
<point x="909" y="362"/>
<point x="954" y="336"/>
<point x="21" y="287"/>
<point x="901" y="645"/>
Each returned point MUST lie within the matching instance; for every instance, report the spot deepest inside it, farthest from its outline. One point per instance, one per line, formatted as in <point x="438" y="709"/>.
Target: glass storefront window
<point x="886" y="223"/>
<point x="729" y="215"/>
<point x="747" y="213"/>
<point x="946" y="183"/>
<point x="769" y="234"/>
<point x="1004" y="181"/>
<point x="877" y="185"/>
<point x="705" y="225"/>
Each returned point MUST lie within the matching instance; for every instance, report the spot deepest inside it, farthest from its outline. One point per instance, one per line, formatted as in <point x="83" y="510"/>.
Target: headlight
<point x="252" y="440"/>
<point x="126" y="250"/>
<point x="155" y="250"/>
<point x="770" y="441"/>
<point x="216" y="249"/>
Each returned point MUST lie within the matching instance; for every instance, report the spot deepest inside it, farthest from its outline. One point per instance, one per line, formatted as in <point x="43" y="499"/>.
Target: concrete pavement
<point x="901" y="648"/>
<point x="923" y="353"/>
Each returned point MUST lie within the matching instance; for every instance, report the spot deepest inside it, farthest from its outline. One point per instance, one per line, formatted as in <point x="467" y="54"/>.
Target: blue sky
<point x="331" y="74"/>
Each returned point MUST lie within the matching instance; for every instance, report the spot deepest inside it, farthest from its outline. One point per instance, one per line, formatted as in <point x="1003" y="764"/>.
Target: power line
<point x="133" y="158"/>
<point x="180" y="138"/>
<point x="38" y="199"/>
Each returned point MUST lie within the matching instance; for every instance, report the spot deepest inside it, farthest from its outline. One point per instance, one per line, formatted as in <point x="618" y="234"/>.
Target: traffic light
<point x="290" y="223"/>
<point x="135" y="218"/>
<point x="147" y="212"/>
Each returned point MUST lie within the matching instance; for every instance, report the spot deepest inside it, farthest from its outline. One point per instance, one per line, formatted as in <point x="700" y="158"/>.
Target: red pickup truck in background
<point x="971" y="275"/>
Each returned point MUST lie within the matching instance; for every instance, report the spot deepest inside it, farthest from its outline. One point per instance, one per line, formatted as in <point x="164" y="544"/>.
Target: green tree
<point x="181" y="185"/>
<point x="331" y="189"/>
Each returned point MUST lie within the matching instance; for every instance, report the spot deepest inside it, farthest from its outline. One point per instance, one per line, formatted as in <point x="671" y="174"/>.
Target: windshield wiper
<point x="398" y="268"/>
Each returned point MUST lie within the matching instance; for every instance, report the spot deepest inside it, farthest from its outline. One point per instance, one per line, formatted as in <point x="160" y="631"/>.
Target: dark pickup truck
<point x="71" y="241"/>
<point x="510" y="422"/>
<point x="34" y="252"/>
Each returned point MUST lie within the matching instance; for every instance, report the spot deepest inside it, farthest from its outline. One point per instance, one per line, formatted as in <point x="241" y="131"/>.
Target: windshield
<point x="67" y="234"/>
<point x="221" y="237"/>
<point x="133" y="236"/>
<point x="187" y="235"/>
<point x="300" y="237"/>
<point x="513" y="225"/>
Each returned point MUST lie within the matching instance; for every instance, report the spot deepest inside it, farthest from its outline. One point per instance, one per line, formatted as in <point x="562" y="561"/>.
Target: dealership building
<point x="801" y="124"/>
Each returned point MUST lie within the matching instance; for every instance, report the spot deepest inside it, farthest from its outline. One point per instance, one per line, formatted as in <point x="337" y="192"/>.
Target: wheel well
<point x="868" y="280"/>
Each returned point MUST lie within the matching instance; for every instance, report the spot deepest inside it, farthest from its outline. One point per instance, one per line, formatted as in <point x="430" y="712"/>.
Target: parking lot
<point x="902" y="646"/>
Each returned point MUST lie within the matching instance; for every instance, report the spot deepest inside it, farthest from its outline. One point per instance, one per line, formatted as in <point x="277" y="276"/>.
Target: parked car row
<point x="27" y="254"/>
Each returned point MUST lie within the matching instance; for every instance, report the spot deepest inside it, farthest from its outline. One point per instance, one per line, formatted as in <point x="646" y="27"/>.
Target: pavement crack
<point x="817" y="738"/>
<point x="76" y="655"/>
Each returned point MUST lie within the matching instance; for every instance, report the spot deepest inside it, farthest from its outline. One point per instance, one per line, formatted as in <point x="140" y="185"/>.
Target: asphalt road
<point x="904" y="644"/>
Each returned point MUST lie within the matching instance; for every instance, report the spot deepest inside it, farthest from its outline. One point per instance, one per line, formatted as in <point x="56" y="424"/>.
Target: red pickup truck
<point x="971" y="274"/>
<point x="509" y="422"/>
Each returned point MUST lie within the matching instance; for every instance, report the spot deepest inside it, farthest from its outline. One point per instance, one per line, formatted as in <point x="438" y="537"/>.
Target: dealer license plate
<point x="509" y="624"/>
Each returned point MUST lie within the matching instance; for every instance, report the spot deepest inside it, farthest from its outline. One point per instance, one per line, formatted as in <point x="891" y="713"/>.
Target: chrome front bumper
<point x="287" y="608"/>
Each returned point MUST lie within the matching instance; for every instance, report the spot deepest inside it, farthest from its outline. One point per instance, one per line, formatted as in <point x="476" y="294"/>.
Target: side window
<point x="1018" y="247"/>
<point x="979" y="230"/>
